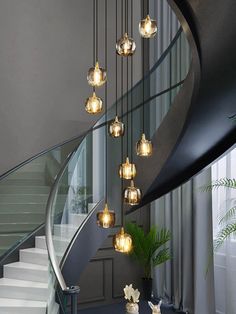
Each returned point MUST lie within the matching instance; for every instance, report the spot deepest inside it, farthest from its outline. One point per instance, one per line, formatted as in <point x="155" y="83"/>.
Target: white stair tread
<point x="56" y="238"/>
<point x="22" y="283"/>
<point x="23" y="265"/>
<point x="35" y="250"/>
<point x="4" y="302"/>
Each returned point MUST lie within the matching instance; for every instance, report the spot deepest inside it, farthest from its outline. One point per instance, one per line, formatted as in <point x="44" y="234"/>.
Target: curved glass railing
<point x="23" y="196"/>
<point x="81" y="181"/>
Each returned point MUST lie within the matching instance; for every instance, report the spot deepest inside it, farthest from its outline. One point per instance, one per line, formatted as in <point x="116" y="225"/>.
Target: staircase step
<point x="18" y="208"/>
<point x="18" y="227"/>
<point x="23" y="217"/>
<point x="9" y="239"/>
<point x="34" y="256"/>
<point x="26" y="271"/>
<point x="65" y="231"/>
<point x="21" y="289"/>
<point x="16" y="306"/>
<point x="25" y="189"/>
<point x="20" y="175"/>
<point x="23" y="198"/>
<point x="18" y="181"/>
<point x="60" y="244"/>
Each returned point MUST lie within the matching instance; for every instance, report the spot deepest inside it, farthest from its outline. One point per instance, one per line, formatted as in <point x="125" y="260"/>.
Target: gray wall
<point x="45" y="52"/>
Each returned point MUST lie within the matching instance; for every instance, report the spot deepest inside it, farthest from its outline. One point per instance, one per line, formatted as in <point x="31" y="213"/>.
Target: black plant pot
<point x="147" y="288"/>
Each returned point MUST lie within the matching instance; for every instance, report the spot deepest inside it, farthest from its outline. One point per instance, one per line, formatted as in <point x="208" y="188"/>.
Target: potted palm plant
<point x="149" y="251"/>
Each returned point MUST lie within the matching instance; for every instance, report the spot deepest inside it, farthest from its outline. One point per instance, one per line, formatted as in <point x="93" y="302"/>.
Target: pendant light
<point x="122" y="242"/>
<point x="116" y="128"/>
<point x="148" y="27"/>
<point x="126" y="45"/>
<point x="93" y="104"/>
<point x="144" y="146"/>
<point x="132" y="194"/>
<point x="106" y="217"/>
<point x="97" y="76"/>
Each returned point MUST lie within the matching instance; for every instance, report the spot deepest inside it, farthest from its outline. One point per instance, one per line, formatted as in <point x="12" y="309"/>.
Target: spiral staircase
<point x="37" y="255"/>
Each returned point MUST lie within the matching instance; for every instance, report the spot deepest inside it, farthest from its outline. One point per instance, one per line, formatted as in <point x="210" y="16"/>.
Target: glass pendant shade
<point x="97" y="76"/>
<point x="122" y="242"/>
<point x="127" y="170"/>
<point x="148" y="27"/>
<point x="132" y="194"/>
<point x="93" y="104"/>
<point x="144" y="147"/>
<point x="125" y="46"/>
<point x="106" y="218"/>
<point x="116" y="128"/>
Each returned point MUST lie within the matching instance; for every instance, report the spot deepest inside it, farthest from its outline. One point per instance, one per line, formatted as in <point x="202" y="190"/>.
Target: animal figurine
<point x="156" y="309"/>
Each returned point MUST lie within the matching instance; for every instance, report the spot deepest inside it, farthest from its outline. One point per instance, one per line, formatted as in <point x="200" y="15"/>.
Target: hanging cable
<point x="96" y="30"/>
<point x="106" y="126"/>
<point x="131" y="124"/>
<point x="122" y="140"/>
<point x="116" y="59"/>
<point x="143" y="76"/>
<point x="127" y="79"/>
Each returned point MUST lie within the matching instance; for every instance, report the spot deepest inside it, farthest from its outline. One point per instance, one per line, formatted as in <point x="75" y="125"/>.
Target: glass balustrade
<point x="23" y="196"/>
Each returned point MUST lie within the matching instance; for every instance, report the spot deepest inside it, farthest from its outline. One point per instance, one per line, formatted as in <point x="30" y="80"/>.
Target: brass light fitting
<point x="148" y="27"/>
<point x="97" y="76"/>
<point x="106" y="218"/>
<point x="116" y="128"/>
<point x="127" y="170"/>
<point x="132" y="194"/>
<point x="144" y="147"/>
<point x="93" y="104"/>
<point x="122" y="242"/>
<point x="125" y="46"/>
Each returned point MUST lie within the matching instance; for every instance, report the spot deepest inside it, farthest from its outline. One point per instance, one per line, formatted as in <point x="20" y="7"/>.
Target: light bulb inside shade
<point x="106" y="218"/>
<point x="125" y="46"/>
<point x="122" y="242"/>
<point x="144" y="147"/>
<point x="132" y="194"/>
<point x="93" y="104"/>
<point x="97" y="76"/>
<point x="127" y="170"/>
<point x="148" y="27"/>
<point x="116" y="128"/>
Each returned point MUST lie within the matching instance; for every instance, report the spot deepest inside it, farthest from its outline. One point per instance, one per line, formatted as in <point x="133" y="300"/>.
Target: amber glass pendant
<point x="106" y="218"/>
<point x="116" y="128"/>
<point x="127" y="170"/>
<point x="144" y="147"/>
<point x="97" y="76"/>
<point x="148" y="27"/>
<point x="125" y="46"/>
<point x="93" y="104"/>
<point x="132" y="194"/>
<point x="122" y="242"/>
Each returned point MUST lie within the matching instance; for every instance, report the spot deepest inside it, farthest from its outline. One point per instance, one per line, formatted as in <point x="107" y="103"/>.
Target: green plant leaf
<point x="230" y="214"/>
<point x="223" y="234"/>
<point x="223" y="182"/>
<point x="161" y="257"/>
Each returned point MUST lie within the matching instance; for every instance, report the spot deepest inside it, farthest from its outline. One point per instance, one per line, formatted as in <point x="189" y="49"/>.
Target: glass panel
<point x="24" y="194"/>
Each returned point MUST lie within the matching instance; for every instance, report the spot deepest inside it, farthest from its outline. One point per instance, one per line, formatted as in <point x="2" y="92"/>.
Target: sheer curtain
<point x="225" y="258"/>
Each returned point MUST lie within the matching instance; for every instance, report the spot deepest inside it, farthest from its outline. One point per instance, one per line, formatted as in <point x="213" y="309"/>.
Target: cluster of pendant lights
<point x="97" y="77"/>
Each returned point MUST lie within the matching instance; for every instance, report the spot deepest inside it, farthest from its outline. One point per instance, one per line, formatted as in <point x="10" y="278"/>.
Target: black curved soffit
<point x="197" y="129"/>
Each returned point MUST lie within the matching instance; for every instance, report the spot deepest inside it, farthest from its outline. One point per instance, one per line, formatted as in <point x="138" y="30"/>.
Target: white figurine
<point x="156" y="309"/>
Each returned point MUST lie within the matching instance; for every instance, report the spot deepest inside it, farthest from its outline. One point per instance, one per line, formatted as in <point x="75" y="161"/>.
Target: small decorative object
<point x="97" y="76"/>
<point x="116" y="128"/>
<point x="148" y="27"/>
<point x="156" y="309"/>
<point x="122" y="242"/>
<point x="93" y="104"/>
<point x="144" y="147"/>
<point x="132" y="194"/>
<point x="106" y="218"/>
<point x="150" y="251"/>
<point x="127" y="170"/>
<point x="125" y="46"/>
<point x="133" y="298"/>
